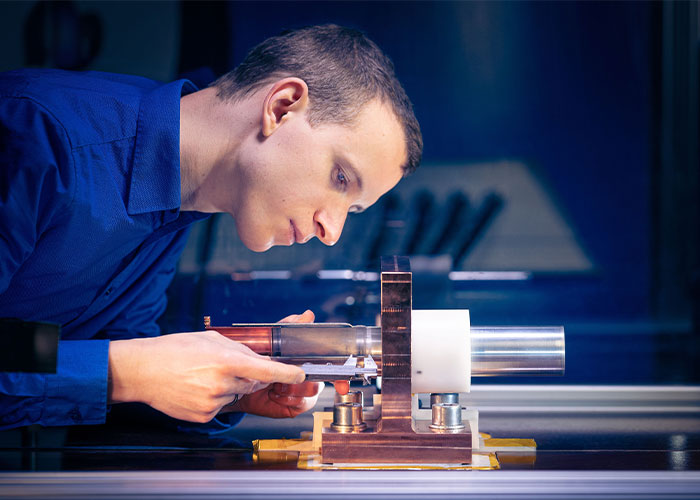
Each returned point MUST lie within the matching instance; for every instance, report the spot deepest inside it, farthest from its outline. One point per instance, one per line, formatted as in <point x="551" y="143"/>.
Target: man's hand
<point x="282" y="400"/>
<point x="191" y="376"/>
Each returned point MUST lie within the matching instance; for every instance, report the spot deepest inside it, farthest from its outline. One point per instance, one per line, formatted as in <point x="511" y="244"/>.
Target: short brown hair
<point x="343" y="70"/>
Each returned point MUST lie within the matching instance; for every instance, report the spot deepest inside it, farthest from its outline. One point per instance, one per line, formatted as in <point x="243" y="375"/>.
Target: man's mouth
<point x="295" y="235"/>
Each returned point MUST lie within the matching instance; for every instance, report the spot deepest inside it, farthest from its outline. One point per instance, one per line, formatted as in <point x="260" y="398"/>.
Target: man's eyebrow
<point x="355" y="173"/>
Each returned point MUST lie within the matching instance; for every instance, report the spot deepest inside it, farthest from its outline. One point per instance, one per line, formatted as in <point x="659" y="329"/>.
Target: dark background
<point x="596" y="101"/>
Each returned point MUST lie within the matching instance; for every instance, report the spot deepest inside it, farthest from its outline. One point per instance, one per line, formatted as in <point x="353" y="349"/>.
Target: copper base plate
<point x="422" y="446"/>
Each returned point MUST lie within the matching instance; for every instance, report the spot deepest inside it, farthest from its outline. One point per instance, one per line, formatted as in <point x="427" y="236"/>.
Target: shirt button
<point x="76" y="415"/>
<point x="109" y="291"/>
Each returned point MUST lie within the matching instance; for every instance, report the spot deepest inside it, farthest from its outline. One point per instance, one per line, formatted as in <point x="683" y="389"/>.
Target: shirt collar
<point x="155" y="173"/>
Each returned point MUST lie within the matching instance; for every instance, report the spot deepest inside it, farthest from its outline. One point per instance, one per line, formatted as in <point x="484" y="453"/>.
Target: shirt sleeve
<point x="36" y="187"/>
<point x="75" y="394"/>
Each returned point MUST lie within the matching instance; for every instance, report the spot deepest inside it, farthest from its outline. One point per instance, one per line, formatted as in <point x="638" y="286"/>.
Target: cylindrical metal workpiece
<point x="350" y="397"/>
<point x="326" y="339"/>
<point x="447" y="417"/>
<point x="495" y="350"/>
<point x="517" y="350"/>
<point x="347" y="417"/>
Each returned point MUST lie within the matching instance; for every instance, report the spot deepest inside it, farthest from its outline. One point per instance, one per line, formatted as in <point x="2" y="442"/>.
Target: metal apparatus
<point x="333" y="351"/>
<point x="414" y="352"/>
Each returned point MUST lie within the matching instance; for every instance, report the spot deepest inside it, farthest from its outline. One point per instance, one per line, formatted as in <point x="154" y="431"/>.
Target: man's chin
<point x="259" y="246"/>
<point x="252" y="239"/>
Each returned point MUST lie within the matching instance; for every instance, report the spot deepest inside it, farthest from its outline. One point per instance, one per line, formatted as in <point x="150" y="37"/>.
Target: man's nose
<point x="329" y="225"/>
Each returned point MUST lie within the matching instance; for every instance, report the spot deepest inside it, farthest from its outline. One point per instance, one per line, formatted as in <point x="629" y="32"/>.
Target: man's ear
<point x="286" y="98"/>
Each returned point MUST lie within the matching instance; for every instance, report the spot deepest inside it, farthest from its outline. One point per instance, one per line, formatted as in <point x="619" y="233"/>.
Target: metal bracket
<point x="394" y="437"/>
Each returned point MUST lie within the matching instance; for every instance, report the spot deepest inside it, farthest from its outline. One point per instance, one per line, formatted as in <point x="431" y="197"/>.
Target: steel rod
<point x="517" y="350"/>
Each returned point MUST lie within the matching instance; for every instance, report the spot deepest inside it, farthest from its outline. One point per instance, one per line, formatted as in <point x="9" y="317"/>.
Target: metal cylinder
<point x="324" y="339"/>
<point x="350" y="397"/>
<point x="444" y="397"/>
<point x="447" y="417"/>
<point x="495" y="350"/>
<point x="347" y="417"/>
<point x="517" y="351"/>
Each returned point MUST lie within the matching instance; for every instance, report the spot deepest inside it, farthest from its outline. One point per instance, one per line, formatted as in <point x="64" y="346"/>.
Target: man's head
<point x="331" y="130"/>
<point x="343" y="70"/>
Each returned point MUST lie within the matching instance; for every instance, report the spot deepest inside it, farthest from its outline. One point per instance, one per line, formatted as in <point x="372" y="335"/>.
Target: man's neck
<point x="206" y="138"/>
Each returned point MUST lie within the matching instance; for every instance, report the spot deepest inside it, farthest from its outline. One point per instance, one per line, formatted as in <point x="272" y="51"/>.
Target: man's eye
<point x="340" y="179"/>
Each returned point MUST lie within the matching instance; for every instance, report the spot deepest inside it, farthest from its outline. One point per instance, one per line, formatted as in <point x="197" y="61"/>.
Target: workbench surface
<point x="610" y="441"/>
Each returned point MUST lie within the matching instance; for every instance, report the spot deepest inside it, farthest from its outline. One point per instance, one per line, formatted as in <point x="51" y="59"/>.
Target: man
<point x="101" y="176"/>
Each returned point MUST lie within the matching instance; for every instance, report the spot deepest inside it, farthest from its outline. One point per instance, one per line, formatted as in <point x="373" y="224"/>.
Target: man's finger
<point x="286" y="400"/>
<point x="238" y="346"/>
<point x="342" y="387"/>
<point x="307" y="389"/>
<point x="268" y="371"/>
<point x="306" y="317"/>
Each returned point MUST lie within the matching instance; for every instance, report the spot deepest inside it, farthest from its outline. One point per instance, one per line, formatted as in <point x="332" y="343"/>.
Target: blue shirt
<point x="90" y="226"/>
